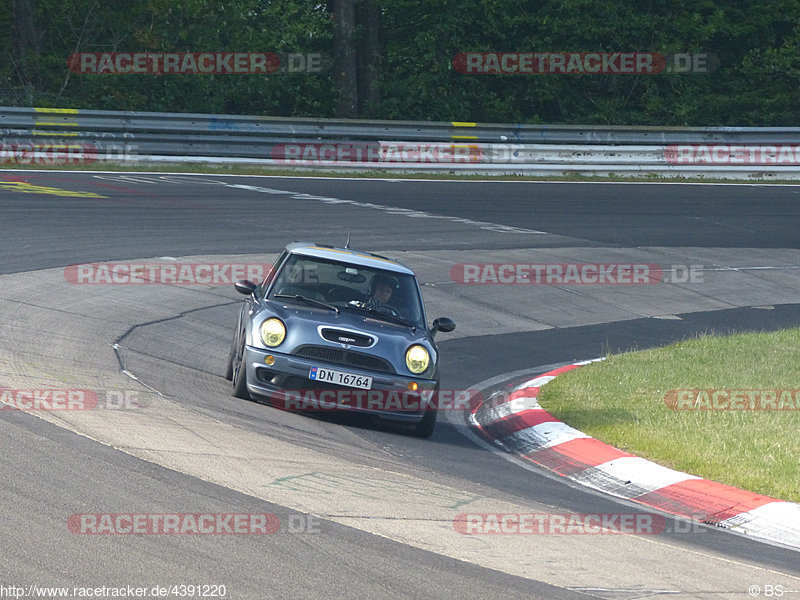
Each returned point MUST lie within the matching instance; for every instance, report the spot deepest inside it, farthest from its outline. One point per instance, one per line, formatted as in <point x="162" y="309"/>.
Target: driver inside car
<point x="381" y="290"/>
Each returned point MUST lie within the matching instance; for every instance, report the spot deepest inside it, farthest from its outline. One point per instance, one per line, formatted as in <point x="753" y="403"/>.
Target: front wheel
<point x="229" y="366"/>
<point x="239" y="375"/>
<point x="424" y="429"/>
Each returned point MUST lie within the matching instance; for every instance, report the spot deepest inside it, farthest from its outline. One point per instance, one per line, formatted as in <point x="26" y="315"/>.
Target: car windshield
<point x="380" y="293"/>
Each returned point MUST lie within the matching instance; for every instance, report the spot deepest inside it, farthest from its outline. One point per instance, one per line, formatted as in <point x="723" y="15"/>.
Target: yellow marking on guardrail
<point x="46" y="123"/>
<point x="464" y="124"/>
<point x="58" y="111"/>
<point x="65" y="145"/>
<point x="58" y="133"/>
<point x="29" y="188"/>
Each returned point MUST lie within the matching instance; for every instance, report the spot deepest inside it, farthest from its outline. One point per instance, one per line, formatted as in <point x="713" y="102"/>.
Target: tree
<point x="393" y="59"/>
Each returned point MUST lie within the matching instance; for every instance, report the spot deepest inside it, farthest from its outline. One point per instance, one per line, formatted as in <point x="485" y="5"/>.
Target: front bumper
<point x="288" y="376"/>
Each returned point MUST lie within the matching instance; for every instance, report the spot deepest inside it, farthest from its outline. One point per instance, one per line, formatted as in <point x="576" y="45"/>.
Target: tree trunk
<point x="345" y="58"/>
<point x="369" y="57"/>
<point x="25" y="40"/>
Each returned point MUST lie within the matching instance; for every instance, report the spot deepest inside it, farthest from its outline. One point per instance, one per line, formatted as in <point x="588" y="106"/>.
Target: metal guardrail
<point x="55" y="136"/>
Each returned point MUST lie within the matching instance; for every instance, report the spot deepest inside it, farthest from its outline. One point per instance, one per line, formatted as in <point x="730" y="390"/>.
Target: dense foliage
<point x="410" y="74"/>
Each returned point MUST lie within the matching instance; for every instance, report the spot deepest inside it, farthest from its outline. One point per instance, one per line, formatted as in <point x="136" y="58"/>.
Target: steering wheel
<point x="387" y="310"/>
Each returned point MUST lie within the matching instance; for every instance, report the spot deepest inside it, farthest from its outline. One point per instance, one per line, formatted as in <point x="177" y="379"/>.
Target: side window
<point x="272" y="272"/>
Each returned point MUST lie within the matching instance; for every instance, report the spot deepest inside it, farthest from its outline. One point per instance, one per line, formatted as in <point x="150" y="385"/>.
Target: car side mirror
<point x="442" y="324"/>
<point x="246" y="287"/>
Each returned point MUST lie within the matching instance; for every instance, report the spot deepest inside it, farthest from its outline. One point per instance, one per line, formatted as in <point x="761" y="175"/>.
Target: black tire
<point x="424" y="429"/>
<point x="229" y="368"/>
<point x="239" y="375"/>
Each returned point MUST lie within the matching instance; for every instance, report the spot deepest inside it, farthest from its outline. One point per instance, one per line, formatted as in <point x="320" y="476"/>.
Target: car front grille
<point x="348" y="358"/>
<point x="347" y="337"/>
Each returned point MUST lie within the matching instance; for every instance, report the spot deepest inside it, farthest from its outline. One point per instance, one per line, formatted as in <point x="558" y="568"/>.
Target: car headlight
<point x="272" y="332"/>
<point x="417" y="359"/>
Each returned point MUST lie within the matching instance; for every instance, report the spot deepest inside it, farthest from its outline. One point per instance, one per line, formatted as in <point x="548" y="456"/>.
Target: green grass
<point x="621" y="401"/>
<point x="377" y="173"/>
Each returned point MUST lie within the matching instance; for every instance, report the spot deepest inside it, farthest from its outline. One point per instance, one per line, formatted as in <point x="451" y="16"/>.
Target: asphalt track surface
<point x="49" y="470"/>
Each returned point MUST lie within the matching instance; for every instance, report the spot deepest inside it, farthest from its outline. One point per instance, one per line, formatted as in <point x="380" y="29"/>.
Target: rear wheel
<point x="239" y="375"/>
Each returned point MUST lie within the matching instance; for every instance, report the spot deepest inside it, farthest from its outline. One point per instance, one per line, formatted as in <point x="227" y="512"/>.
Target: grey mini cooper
<point x="335" y="328"/>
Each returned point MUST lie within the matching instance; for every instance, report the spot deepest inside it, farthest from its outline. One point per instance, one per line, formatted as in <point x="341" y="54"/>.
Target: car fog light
<point x="269" y="359"/>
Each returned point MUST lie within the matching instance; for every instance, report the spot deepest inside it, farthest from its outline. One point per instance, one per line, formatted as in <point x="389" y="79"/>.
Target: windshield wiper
<point x="399" y="320"/>
<point x="309" y="301"/>
<point x="383" y="315"/>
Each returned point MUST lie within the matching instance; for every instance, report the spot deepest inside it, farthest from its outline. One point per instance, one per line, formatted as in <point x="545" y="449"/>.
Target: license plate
<point x="340" y="378"/>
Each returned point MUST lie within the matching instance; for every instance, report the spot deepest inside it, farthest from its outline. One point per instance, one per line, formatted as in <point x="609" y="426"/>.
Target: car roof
<point x="349" y="255"/>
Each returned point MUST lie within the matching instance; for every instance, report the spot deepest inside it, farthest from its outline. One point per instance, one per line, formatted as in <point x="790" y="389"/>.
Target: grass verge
<point x="625" y="401"/>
